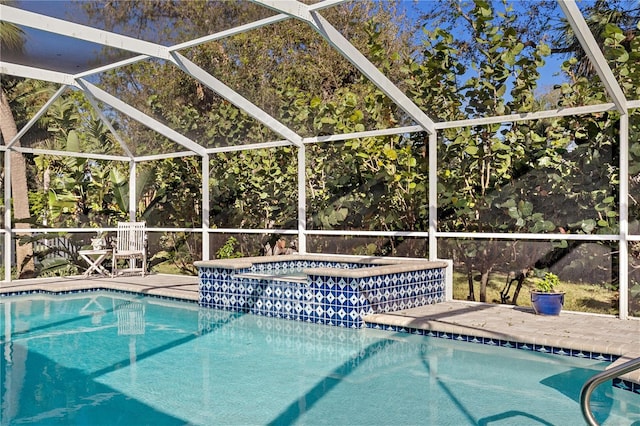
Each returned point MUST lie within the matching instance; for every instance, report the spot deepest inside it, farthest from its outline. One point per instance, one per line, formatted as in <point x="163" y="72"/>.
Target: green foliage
<point x="73" y="190"/>
<point x="486" y="172"/>
<point x="548" y="282"/>
<point x="557" y="175"/>
<point x="254" y="188"/>
<point x="545" y="176"/>
<point x="480" y="163"/>
<point x="57" y="268"/>
<point x="55" y="254"/>
<point x="178" y="249"/>
<point x="228" y="250"/>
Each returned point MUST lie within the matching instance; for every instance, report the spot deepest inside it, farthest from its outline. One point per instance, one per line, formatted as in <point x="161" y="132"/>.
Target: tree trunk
<point x="19" y="190"/>
<point x="471" y="296"/>
<point x="484" y="280"/>
<point x="521" y="276"/>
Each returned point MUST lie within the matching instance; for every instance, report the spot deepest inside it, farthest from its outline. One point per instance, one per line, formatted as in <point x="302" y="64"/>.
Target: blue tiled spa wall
<point x="326" y="291"/>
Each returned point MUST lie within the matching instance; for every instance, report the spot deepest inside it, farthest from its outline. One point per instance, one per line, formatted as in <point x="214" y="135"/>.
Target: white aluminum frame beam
<point x="623" y="262"/>
<point x="81" y="32"/>
<point x="141" y="117"/>
<point x="512" y="118"/>
<point x="526" y="236"/>
<point x="90" y="155"/>
<point x="106" y="38"/>
<point x="133" y="183"/>
<point x="8" y="208"/>
<point x="156" y="157"/>
<point x="432" y="196"/>
<point x="587" y="109"/>
<point x="364" y="134"/>
<point x="289" y="7"/>
<point x="37" y="116"/>
<point x="186" y="44"/>
<point x="107" y="123"/>
<point x="469" y="235"/>
<point x="250" y="26"/>
<point x="211" y="37"/>
<point x="269" y="231"/>
<point x="262" y="145"/>
<point x="34" y="73"/>
<point x="236" y="99"/>
<point x="302" y="200"/>
<point x="352" y="54"/>
<point x="111" y="66"/>
<point x="591" y="48"/>
<point x="229" y="33"/>
<point x="205" y="218"/>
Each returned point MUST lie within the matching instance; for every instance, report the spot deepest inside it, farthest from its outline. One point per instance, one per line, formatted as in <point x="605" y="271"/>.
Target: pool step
<point x="269" y="277"/>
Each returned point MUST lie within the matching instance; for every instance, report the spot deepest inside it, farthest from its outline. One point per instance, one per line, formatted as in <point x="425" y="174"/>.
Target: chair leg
<point x="131" y="265"/>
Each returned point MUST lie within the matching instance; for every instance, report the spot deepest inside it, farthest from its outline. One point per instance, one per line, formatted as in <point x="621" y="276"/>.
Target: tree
<point x="480" y="165"/>
<point x="11" y="37"/>
<point x="288" y="71"/>
<point x="600" y="17"/>
<point x="554" y="175"/>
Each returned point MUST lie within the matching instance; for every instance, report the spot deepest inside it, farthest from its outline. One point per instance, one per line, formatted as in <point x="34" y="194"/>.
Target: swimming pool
<point x="113" y="358"/>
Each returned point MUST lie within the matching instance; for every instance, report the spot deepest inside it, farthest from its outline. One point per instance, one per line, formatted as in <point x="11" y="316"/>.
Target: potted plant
<point x="99" y="242"/>
<point x="545" y="300"/>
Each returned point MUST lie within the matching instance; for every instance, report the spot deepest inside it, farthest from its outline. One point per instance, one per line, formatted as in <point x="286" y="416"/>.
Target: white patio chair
<point x="130" y="245"/>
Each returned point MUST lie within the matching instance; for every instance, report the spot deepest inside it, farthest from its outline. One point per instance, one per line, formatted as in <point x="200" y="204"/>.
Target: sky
<point x="72" y="56"/>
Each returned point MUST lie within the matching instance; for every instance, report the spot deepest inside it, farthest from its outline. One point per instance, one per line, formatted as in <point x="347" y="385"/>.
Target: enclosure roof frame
<point x="290" y="9"/>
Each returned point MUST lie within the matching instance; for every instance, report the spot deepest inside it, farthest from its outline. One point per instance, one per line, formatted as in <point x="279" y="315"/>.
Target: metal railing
<point x="593" y="382"/>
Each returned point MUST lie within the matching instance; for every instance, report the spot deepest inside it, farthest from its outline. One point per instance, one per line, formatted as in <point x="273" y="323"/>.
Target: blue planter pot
<point x="547" y="303"/>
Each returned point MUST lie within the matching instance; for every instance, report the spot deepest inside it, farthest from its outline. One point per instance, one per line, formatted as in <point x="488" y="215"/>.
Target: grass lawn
<point x="167" y="268"/>
<point x="579" y="297"/>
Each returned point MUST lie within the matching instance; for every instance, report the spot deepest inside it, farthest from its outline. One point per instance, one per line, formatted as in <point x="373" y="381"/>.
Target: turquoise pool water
<point x="113" y="359"/>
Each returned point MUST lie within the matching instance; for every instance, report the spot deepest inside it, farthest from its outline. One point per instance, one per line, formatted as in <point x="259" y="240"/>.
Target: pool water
<point x="116" y="359"/>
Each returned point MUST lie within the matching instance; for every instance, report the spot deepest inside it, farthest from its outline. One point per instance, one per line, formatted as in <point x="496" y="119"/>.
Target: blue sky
<point x="52" y="48"/>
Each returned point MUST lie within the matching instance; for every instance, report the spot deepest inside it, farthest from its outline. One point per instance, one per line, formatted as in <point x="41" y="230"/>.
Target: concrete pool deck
<point x="572" y="330"/>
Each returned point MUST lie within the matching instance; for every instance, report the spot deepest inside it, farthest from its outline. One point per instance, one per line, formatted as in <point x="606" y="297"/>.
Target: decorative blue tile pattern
<point x="338" y="301"/>
<point x="496" y="342"/>
<point x="627" y="385"/>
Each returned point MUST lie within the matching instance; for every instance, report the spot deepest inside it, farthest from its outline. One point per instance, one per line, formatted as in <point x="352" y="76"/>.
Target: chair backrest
<point x="131" y="236"/>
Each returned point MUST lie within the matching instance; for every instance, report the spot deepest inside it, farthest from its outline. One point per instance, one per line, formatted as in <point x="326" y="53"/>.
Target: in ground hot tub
<point x="332" y="290"/>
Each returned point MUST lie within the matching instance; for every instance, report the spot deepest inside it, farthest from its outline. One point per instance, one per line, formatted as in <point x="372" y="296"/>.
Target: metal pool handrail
<point x="593" y="382"/>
